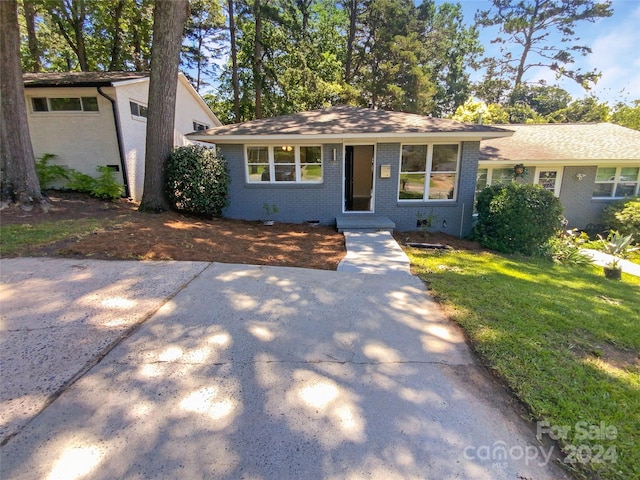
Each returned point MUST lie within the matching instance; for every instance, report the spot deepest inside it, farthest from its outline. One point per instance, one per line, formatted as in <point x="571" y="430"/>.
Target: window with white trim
<point x="284" y="163"/>
<point x="437" y="163"/>
<point x="198" y="127"/>
<point x="549" y="179"/>
<point x="64" y="104"/>
<point x="137" y="109"/>
<point x="617" y="182"/>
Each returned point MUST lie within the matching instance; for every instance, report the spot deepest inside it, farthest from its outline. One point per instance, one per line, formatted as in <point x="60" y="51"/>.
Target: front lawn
<point x="564" y="339"/>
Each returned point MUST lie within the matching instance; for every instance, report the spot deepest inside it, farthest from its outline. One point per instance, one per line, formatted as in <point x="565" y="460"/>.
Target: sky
<point x="615" y="42"/>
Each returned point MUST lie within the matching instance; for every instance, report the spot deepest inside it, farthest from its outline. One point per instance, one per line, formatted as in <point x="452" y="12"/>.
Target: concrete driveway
<point x="243" y="372"/>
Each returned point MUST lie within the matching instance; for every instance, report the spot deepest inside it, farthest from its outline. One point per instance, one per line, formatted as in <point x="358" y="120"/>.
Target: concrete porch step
<point x="364" y="223"/>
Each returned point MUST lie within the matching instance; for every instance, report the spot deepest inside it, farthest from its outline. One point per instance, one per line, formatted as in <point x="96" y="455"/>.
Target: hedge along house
<point x="586" y="165"/>
<point x="88" y="119"/>
<point x="354" y="167"/>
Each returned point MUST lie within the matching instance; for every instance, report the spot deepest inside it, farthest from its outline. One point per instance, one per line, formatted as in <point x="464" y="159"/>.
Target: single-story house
<point x="586" y="165"/>
<point x="90" y="119"/>
<point x="345" y="164"/>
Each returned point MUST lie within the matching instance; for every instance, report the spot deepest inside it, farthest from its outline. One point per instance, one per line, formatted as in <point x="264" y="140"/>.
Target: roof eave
<point x="341" y="138"/>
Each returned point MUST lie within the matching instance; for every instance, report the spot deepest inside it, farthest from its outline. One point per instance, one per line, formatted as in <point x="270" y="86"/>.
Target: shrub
<point x="516" y="217"/>
<point x="48" y="174"/>
<point x="624" y="216"/>
<point x="198" y="180"/>
<point x="105" y="185"/>
<point x="79" y="182"/>
<point x="566" y="247"/>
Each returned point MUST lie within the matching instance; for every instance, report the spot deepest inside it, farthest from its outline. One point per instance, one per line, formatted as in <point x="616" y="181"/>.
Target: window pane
<point x="629" y="174"/>
<point x="258" y="173"/>
<point x="90" y="104"/>
<point x="143" y="111"/>
<point x="547" y="180"/>
<point x="442" y="185"/>
<point x="258" y="154"/>
<point x="606" y="174"/>
<point x="603" y="189"/>
<point x="625" y="189"/>
<point x="310" y="155"/>
<point x="445" y="158"/>
<point x="285" y="173"/>
<point x="501" y="175"/>
<point x="411" y="186"/>
<point x="39" y="104"/>
<point x="284" y="154"/>
<point x="311" y="173"/>
<point x="481" y="179"/>
<point x="65" y="104"/>
<point x="414" y="158"/>
<point x="134" y="109"/>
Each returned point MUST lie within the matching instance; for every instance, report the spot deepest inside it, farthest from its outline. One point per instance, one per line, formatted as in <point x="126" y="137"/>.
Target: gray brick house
<point x="344" y="163"/>
<point x="586" y="165"/>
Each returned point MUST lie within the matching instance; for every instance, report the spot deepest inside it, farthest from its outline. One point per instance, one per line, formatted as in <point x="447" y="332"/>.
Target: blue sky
<point x="615" y="42"/>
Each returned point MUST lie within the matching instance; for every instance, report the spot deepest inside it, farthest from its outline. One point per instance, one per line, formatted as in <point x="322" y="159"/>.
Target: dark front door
<point x="348" y="179"/>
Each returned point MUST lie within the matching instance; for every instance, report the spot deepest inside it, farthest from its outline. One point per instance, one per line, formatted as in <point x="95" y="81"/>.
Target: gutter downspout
<point x="116" y="121"/>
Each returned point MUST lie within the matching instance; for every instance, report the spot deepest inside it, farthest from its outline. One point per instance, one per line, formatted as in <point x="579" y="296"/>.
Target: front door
<point x="358" y="178"/>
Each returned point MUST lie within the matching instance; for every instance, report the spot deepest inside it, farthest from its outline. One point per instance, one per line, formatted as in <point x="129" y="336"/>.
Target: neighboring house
<point x="89" y="119"/>
<point x="345" y="163"/>
<point x="586" y="165"/>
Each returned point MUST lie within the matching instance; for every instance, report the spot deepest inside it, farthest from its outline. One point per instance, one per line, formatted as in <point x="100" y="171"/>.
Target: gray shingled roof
<point x="548" y="142"/>
<point x="79" y="79"/>
<point x="344" y="120"/>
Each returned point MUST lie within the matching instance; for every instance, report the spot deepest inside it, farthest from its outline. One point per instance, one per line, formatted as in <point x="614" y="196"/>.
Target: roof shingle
<point x="79" y="79"/>
<point x="561" y="141"/>
<point x="347" y="120"/>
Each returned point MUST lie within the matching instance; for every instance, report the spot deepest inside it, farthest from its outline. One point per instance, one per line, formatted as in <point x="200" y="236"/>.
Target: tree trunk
<point x="116" y="46"/>
<point x="234" y="62"/>
<point x="32" y="39"/>
<point x="17" y="162"/>
<point x="257" y="58"/>
<point x="168" y="23"/>
<point x="348" y="64"/>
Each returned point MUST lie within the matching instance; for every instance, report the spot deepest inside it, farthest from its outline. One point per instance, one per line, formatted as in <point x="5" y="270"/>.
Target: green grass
<point x="17" y="237"/>
<point x="565" y="339"/>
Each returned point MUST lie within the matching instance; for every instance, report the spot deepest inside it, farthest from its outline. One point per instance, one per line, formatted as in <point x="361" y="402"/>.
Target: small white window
<point x="137" y="109"/>
<point x="549" y="178"/>
<point x="64" y="104"/>
<point x="198" y="127"/>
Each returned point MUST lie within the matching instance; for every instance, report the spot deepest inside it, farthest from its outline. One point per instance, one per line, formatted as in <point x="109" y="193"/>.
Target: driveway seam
<point x="96" y="359"/>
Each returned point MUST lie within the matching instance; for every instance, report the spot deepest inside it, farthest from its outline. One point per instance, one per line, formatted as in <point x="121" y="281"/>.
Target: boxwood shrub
<point x="198" y="181"/>
<point x="624" y="216"/>
<point x="516" y="218"/>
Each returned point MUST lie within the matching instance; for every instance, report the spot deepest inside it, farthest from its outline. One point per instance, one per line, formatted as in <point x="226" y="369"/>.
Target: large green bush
<point x="516" y="217"/>
<point x="624" y="216"/>
<point x="198" y="181"/>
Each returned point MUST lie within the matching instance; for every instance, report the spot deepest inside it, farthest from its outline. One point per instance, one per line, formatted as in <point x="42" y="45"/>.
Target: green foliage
<point x="48" y="173"/>
<point x="624" y="216"/>
<point x="627" y="115"/>
<point x="587" y="109"/>
<point x="565" y="248"/>
<point x="105" y="185"/>
<point x="198" y="181"/>
<point x="617" y="245"/>
<point x="80" y="182"/>
<point x="516" y="217"/>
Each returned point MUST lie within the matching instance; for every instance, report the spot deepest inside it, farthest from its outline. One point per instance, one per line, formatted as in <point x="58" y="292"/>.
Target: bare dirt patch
<point x="437" y="238"/>
<point x="129" y="234"/>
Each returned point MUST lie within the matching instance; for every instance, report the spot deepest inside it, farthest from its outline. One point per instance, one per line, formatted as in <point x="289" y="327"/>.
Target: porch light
<point x="580" y="176"/>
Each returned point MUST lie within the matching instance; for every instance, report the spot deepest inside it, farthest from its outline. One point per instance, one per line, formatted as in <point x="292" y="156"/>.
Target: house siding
<point x="323" y="202"/>
<point x="80" y="140"/>
<point x="575" y="195"/>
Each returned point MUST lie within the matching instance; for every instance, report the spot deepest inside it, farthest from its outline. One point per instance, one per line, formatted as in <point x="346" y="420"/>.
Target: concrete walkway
<point x="373" y="252"/>
<point x="602" y="259"/>
<point x="189" y="370"/>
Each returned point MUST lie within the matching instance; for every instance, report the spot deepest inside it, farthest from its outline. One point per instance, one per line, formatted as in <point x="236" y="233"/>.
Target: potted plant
<point x="618" y="246"/>
<point x="269" y="210"/>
